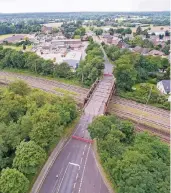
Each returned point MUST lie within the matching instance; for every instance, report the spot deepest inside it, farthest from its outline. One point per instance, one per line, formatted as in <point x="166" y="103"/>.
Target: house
<point x="106" y="35"/>
<point x="137" y="49"/>
<point x="13" y="39"/>
<point x="156" y="53"/>
<point x="46" y="29"/>
<point x="125" y="45"/>
<point x="164" y="86"/>
<point x="157" y="41"/>
<point x="141" y="50"/>
<point x="117" y="42"/>
<point x="84" y="38"/>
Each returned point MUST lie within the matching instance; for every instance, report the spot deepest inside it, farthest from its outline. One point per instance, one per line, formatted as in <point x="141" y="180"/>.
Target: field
<point x="18" y="48"/>
<point x="153" y="28"/>
<point x="53" y="24"/>
<point x="9" y="35"/>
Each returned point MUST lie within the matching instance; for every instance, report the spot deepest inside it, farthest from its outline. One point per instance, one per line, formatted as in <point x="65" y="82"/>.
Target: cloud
<point x="13" y="6"/>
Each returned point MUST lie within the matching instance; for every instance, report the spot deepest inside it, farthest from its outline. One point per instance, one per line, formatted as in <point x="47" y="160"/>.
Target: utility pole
<point x="148" y="98"/>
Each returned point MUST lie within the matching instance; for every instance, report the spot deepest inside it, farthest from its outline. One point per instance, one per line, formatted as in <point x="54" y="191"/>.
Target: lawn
<point x="18" y="48"/>
<point x="153" y="28"/>
<point x="5" y="36"/>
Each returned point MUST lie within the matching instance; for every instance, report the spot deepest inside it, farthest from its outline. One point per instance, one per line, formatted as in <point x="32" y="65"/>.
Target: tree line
<point x="134" y="162"/>
<point x="31" y="122"/>
<point x="137" y="75"/>
<point x="91" y="68"/>
<point x="19" y="28"/>
<point x="87" y="72"/>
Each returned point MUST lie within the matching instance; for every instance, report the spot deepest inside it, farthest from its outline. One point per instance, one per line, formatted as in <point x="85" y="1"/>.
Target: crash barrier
<point x="108" y="74"/>
<point x="82" y="139"/>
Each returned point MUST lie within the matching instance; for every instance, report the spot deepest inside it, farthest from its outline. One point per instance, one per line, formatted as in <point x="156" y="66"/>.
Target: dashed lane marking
<point x="84" y="169"/>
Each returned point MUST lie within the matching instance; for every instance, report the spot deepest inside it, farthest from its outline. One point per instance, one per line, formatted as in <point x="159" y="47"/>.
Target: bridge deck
<point x="100" y="96"/>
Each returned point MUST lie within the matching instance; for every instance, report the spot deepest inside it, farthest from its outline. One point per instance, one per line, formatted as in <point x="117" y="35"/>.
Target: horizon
<point x="43" y="6"/>
<point x="84" y="12"/>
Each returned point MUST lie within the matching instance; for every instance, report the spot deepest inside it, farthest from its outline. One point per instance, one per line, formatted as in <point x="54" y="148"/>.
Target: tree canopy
<point x="13" y="181"/>
<point x="28" y="157"/>
<point x="31" y="122"/>
<point x="135" y="163"/>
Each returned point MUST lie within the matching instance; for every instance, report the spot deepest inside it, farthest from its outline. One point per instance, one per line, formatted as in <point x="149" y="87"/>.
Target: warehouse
<point x="73" y="59"/>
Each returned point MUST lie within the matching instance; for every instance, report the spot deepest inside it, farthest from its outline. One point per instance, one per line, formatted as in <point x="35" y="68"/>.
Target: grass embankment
<point x="104" y="173"/>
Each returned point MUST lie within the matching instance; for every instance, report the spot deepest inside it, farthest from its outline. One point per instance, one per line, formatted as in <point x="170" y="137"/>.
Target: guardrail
<point x="91" y="91"/>
<point x="82" y="139"/>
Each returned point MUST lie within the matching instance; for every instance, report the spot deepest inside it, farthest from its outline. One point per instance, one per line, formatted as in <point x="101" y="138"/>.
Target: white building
<point x="73" y="58"/>
<point x="164" y="86"/>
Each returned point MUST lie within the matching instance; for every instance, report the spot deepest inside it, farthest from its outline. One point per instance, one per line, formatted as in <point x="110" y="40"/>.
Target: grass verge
<point x="104" y="173"/>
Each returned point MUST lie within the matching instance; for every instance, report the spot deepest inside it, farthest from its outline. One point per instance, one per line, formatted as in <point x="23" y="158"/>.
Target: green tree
<point x="28" y="158"/>
<point x="46" y="131"/>
<point x="138" y="30"/>
<point x="111" y="31"/>
<point x="125" y="73"/>
<point x="13" y="181"/>
<point x="19" y="87"/>
<point x="63" y="70"/>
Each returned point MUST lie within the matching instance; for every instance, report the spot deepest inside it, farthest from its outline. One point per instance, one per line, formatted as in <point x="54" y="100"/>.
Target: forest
<point x="134" y="162"/>
<point x="19" y="28"/>
<point x="88" y="71"/>
<point x="31" y="123"/>
<point x="137" y="75"/>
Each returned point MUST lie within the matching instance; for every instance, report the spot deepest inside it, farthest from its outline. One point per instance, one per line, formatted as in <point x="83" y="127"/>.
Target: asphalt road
<point x="75" y="169"/>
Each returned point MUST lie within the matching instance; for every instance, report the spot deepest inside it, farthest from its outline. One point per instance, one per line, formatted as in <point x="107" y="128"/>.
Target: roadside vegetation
<point x="31" y="123"/>
<point x="137" y="76"/>
<point x="134" y="162"/>
<point x="92" y="67"/>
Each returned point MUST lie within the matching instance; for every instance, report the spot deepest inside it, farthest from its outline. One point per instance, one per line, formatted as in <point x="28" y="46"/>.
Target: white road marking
<point x="54" y="188"/>
<point x="74" y="185"/>
<point x="85" y="146"/>
<point x="83" y="152"/>
<point x="81" y="161"/>
<point x="68" y="155"/>
<point x="62" y="178"/>
<point x="76" y="176"/>
<point x="61" y="171"/>
<point x="77" y="129"/>
<point x="84" y="168"/>
<point x="74" y="164"/>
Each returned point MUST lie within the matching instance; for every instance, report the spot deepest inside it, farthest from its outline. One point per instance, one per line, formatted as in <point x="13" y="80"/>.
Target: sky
<point x="20" y="6"/>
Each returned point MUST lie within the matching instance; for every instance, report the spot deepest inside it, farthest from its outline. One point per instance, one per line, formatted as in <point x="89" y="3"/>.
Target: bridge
<point x="76" y="166"/>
